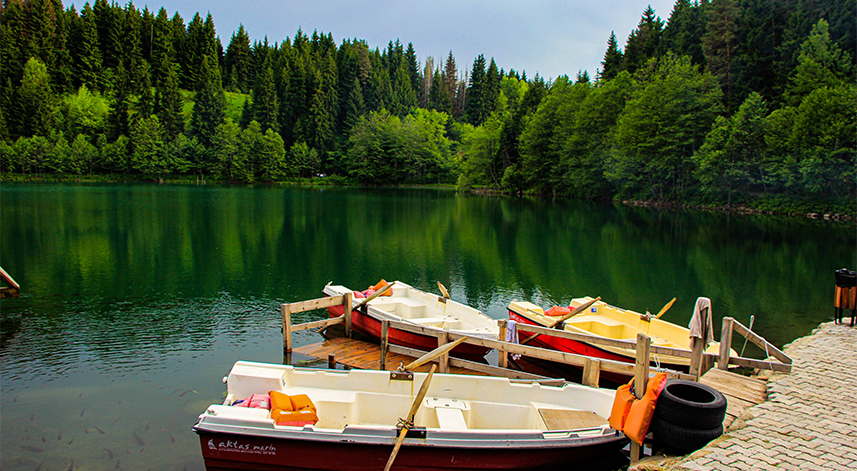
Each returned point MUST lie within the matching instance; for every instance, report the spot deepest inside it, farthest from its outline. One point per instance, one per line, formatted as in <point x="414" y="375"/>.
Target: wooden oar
<point x="443" y="290"/>
<point x="409" y="420"/>
<point x="433" y="354"/>
<point x="374" y="295"/>
<point x="564" y="318"/>
<point x="665" y="308"/>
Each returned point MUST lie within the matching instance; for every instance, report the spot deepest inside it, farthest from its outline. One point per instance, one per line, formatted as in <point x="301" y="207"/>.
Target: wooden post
<point x="591" y="372"/>
<point x="331" y="361"/>
<point x="641" y="380"/>
<point x="696" y="351"/>
<point x="443" y="360"/>
<point x="385" y="342"/>
<point x="502" y="356"/>
<point x="725" y="343"/>
<point x="287" y="327"/>
<point x="346" y="303"/>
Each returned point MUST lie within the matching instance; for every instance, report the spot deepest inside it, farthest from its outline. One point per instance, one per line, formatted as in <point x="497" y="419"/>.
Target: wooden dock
<point x="364" y="355"/>
<point x="741" y="392"/>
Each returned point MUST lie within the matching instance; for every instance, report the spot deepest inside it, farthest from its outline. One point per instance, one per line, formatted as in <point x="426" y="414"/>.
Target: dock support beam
<point x="385" y="344"/>
<point x="725" y="343"/>
<point x="641" y="380"/>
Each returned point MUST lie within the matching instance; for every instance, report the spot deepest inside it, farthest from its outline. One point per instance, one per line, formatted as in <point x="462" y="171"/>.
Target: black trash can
<point x="845" y="296"/>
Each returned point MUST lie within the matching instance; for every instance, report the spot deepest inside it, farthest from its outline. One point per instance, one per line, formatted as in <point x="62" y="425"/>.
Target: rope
<point x="408" y="424"/>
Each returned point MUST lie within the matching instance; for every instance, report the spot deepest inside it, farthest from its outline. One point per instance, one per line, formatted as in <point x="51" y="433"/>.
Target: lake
<point x="137" y="299"/>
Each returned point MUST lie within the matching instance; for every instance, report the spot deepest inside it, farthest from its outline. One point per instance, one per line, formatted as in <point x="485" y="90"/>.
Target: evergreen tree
<point x="265" y="108"/>
<point x="237" y="61"/>
<point x="718" y="43"/>
<point x="683" y="33"/>
<point x="613" y="59"/>
<point x="491" y="90"/>
<point x="119" y="117"/>
<point x="168" y="106"/>
<point x="451" y="85"/>
<point x="644" y="41"/>
<point x="821" y="64"/>
<point x="210" y="104"/>
<point x="89" y="64"/>
<point x="475" y="104"/>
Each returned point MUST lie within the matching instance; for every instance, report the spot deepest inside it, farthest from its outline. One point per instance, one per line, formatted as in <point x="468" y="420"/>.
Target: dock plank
<point x="364" y="355"/>
<point x="741" y="392"/>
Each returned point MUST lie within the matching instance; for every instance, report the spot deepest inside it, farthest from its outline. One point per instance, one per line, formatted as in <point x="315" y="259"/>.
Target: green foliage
<point x="662" y="126"/>
<point x="82" y="113"/>
<point x="36" y="99"/>
<point x="821" y="64"/>
<point x="384" y="148"/>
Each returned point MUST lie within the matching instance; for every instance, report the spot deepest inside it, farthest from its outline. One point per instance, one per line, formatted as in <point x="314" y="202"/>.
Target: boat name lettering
<point x="236" y="446"/>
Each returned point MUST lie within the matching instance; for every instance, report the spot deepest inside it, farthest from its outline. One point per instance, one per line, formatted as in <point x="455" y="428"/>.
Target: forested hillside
<point x="725" y="102"/>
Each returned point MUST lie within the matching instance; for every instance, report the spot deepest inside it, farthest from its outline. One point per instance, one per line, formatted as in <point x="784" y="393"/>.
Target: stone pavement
<point x="809" y="421"/>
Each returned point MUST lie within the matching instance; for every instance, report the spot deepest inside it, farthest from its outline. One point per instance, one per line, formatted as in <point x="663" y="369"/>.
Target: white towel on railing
<point x="512" y="335"/>
<point x="701" y="326"/>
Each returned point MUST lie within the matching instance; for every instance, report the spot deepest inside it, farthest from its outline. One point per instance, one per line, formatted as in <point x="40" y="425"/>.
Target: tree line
<point x="726" y="101"/>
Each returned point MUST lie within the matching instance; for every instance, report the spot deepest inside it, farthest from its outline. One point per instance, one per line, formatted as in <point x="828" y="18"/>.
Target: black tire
<point x="691" y="405"/>
<point x="682" y="439"/>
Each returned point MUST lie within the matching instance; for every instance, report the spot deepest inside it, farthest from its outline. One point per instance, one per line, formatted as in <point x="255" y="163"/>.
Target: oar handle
<point x="374" y="295"/>
<point x="411" y="414"/>
<point x="564" y="318"/>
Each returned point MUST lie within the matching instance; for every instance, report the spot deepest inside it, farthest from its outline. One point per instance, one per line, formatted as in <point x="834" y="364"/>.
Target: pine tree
<point x="718" y="43"/>
<point x="683" y="33"/>
<point x="821" y="64"/>
<point x="491" y="91"/>
<point x="643" y="42"/>
<point x="613" y="59"/>
<point x="210" y="103"/>
<point x="237" y="61"/>
<point x="450" y="83"/>
<point x="475" y="105"/>
<point x="265" y="108"/>
<point x="168" y="106"/>
<point x="89" y="63"/>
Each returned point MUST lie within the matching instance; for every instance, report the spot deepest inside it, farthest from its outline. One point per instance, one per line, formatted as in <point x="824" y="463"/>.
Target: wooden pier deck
<point x="364" y="355"/>
<point x="741" y="392"/>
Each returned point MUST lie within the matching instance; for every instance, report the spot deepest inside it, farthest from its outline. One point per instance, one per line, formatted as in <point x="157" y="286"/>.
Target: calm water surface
<point x="137" y="299"/>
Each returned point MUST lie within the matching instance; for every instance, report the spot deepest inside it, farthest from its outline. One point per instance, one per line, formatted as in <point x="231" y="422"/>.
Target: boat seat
<point x="450" y="418"/>
<point x="429" y="321"/>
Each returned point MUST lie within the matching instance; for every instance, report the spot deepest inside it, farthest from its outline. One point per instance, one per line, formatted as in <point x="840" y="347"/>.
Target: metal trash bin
<point x="845" y="296"/>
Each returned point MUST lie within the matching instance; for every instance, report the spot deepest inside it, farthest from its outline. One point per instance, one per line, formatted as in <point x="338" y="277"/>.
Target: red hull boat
<point x="347" y="420"/>
<point x="410" y="305"/>
<point x="229" y="452"/>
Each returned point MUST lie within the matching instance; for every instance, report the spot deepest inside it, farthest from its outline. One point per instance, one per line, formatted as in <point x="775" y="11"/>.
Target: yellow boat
<point x="606" y="321"/>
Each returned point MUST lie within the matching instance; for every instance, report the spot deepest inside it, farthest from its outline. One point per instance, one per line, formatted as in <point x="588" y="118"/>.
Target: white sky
<point x="550" y="37"/>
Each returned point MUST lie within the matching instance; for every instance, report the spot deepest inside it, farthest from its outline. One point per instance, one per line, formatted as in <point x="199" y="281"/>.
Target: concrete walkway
<point x="809" y="421"/>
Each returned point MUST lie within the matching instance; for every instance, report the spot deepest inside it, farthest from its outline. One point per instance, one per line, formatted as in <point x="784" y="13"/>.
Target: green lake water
<point x="137" y="299"/>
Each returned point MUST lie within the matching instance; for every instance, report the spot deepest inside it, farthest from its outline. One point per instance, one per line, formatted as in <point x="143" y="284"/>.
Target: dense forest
<point x="727" y="102"/>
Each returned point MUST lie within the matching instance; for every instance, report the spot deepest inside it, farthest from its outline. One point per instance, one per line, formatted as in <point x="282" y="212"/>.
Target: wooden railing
<point x="699" y="361"/>
<point x="730" y="325"/>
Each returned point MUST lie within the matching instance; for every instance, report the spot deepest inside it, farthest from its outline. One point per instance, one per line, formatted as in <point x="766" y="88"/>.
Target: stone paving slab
<point x="808" y="421"/>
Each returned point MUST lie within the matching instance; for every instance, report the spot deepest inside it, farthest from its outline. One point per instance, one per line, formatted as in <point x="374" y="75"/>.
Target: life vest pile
<point x="632" y="415"/>
<point x="292" y="410"/>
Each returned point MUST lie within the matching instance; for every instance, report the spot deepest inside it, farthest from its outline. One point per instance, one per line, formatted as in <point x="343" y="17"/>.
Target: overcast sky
<point x="552" y="38"/>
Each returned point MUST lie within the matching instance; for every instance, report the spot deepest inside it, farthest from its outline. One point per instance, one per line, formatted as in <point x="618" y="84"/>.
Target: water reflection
<point x="137" y="299"/>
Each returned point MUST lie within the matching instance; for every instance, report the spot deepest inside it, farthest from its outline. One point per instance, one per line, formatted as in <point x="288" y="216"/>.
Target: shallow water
<point x="137" y="299"/>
